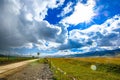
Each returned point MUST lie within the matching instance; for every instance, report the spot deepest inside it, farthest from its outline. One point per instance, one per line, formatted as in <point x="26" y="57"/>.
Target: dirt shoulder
<point x="13" y="67"/>
<point x="34" y="71"/>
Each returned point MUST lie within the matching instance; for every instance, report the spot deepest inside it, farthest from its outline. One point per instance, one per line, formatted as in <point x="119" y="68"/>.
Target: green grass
<point x="6" y="60"/>
<point x="76" y="69"/>
<point x="43" y="60"/>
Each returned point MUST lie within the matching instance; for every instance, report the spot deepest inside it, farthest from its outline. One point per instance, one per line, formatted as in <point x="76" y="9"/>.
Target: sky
<point x="58" y="27"/>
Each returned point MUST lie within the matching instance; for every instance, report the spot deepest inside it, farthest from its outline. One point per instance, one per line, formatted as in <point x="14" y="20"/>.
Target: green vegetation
<point x="6" y="60"/>
<point x="43" y="60"/>
<point x="81" y="69"/>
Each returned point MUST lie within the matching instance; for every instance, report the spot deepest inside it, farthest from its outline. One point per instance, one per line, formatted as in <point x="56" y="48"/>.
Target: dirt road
<point x="33" y="71"/>
<point x="8" y="69"/>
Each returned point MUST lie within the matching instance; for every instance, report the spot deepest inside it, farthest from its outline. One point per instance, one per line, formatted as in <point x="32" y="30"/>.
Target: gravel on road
<point x="34" y="71"/>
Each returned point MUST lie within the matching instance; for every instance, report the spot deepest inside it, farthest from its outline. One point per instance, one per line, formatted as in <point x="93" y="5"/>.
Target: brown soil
<point x="34" y="71"/>
<point x="8" y="69"/>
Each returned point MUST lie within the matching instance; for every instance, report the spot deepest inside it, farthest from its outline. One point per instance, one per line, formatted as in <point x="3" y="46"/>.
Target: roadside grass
<point x="43" y="60"/>
<point x="78" y="69"/>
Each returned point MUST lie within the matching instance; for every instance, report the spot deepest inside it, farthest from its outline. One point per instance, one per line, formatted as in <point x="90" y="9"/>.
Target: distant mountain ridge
<point x="97" y="53"/>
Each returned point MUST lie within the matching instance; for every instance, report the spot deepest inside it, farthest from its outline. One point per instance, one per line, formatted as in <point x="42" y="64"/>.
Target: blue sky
<point x="59" y="27"/>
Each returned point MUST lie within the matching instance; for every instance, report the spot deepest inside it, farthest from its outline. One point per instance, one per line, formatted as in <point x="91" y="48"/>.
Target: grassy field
<point x="6" y="60"/>
<point x="85" y="68"/>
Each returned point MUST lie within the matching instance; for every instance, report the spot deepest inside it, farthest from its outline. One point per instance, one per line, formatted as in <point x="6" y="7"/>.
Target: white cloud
<point x="108" y="47"/>
<point x="63" y="52"/>
<point x="55" y="3"/>
<point x="106" y="28"/>
<point x="14" y="5"/>
<point x="104" y="36"/>
<point x="66" y="9"/>
<point x="53" y="44"/>
<point x="78" y="35"/>
<point x="46" y="45"/>
<point x="22" y="23"/>
<point x="40" y="47"/>
<point x="39" y="8"/>
<point x="29" y="17"/>
<point x="28" y="45"/>
<point x="82" y="13"/>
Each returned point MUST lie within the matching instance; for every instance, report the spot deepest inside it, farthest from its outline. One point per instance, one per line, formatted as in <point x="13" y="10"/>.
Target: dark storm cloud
<point x="9" y="21"/>
<point x="16" y="30"/>
<point x="63" y="36"/>
<point x="46" y="31"/>
<point x="71" y="44"/>
<point x="113" y="39"/>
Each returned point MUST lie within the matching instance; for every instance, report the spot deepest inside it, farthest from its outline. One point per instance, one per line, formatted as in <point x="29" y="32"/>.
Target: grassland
<point x="80" y="68"/>
<point x="6" y="60"/>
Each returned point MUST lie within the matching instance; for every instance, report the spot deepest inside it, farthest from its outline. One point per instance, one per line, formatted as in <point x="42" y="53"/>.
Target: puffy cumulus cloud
<point x="55" y="3"/>
<point x="82" y="13"/>
<point x="66" y="9"/>
<point x="53" y="41"/>
<point x="28" y="45"/>
<point x="99" y="36"/>
<point x="22" y="24"/>
<point x="94" y="38"/>
<point x="46" y="45"/>
<point x="39" y="8"/>
<point x="78" y="36"/>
